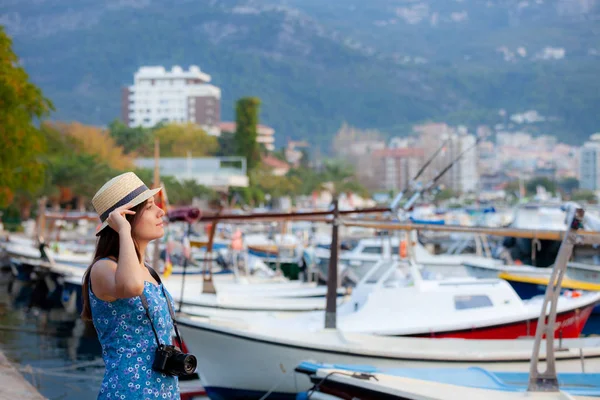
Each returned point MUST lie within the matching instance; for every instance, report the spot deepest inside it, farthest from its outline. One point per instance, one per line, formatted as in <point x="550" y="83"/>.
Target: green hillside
<point x="316" y="64"/>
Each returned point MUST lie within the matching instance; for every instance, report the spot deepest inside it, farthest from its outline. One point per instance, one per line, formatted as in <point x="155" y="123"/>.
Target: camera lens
<point x="189" y="364"/>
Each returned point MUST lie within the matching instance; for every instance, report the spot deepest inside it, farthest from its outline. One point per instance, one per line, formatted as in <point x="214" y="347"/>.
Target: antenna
<point x="396" y="202"/>
<point x="430" y="184"/>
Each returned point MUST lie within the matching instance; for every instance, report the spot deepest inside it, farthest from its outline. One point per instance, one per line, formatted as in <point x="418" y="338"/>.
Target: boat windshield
<point x="378" y="272"/>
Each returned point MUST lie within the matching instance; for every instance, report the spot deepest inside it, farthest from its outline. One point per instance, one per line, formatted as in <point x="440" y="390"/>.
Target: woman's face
<point x="149" y="224"/>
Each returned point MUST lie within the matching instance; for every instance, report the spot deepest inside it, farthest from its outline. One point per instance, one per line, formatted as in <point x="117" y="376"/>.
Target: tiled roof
<point x="273" y="162"/>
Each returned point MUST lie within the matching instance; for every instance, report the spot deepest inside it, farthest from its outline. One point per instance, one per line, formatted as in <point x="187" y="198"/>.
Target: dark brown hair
<point x="107" y="246"/>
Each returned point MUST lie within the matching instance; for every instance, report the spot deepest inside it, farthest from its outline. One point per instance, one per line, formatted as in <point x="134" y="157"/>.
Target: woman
<point x="113" y="284"/>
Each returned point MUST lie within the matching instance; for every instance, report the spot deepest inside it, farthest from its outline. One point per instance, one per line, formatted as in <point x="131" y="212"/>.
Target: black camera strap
<point x="145" y="305"/>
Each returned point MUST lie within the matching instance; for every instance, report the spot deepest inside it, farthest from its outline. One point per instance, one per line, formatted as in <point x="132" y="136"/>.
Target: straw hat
<point x="124" y="189"/>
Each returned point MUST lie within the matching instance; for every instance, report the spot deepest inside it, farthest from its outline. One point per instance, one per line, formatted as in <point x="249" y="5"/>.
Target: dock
<point x="13" y="385"/>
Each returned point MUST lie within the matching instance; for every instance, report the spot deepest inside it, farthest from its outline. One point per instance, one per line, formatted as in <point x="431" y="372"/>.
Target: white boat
<point x="479" y="270"/>
<point x="259" y="360"/>
<point x="368" y="251"/>
<point x="30" y="250"/>
<point x="234" y="293"/>
<point x="584" y="272"/>
<point x="244" y="361"/>
<point x="456" y="307"/>
<point x="575" y="270"/>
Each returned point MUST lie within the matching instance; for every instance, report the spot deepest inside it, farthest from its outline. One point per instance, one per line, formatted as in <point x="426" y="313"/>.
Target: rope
<point x="276" y="385"/>
<point x="361" y="375"/>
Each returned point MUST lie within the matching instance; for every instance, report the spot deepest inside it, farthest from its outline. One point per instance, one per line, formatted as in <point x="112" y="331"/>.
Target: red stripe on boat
<point x="568" y="325"/>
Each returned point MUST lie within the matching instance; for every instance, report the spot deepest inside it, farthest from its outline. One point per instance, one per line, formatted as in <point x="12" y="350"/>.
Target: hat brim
<point x="138" y="200"/>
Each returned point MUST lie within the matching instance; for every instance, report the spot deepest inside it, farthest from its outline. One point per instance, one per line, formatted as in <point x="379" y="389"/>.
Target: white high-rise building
<point x="158" y="95"/>
<point x="463" y="177"/>
<point x="467" y="176"/>
<point x="589" y="175"/>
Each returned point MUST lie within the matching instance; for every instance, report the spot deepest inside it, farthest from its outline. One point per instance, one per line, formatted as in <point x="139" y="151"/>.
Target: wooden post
<point x="41" y="219"/>
<point x="208" y="285"/>
<point x="278" y="248"/>
<point x="332" y="274"/>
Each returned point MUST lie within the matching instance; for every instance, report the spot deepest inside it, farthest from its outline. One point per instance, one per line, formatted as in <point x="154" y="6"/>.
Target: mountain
<point x="381" y="64"/>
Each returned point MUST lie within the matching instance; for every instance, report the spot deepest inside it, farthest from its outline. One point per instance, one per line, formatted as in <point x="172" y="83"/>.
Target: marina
<point x="313" y="200"/>
<point x="263" y="317"/>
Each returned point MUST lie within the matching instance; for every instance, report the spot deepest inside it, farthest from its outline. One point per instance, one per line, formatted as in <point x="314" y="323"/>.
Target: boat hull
<point x="234" y="366"/>
<point x="568" y="325"/>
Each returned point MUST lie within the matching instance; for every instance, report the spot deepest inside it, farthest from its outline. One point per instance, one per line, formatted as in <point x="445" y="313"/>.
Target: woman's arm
<point x="129" y="276"/>
<point x="123" y="279"/>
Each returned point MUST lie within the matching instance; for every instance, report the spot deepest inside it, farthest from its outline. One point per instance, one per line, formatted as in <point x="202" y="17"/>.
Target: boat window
<point x="467" y="302"/>
<point x="372" y="250"/>
<point x="348" y="244"/>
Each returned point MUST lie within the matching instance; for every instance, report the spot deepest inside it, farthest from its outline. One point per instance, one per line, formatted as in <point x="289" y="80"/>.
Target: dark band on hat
<point x="132" y="195"/>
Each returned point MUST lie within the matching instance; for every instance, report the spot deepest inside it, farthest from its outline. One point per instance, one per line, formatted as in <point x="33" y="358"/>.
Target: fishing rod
<point x="396" y="202"/>
<point x="409" y="204"/>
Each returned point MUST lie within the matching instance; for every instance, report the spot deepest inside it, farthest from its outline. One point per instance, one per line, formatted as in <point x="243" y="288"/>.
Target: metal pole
<point x="185" y="263"/>
<point x="332" y="274"/>
<point x="547" y="381"/>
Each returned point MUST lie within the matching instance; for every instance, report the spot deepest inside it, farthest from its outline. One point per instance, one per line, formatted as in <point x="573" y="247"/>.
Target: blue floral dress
<point x="128" y="345"/>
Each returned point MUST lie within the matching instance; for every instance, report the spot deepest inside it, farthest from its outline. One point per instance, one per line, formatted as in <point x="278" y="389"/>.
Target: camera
<point x="169" y="360"/>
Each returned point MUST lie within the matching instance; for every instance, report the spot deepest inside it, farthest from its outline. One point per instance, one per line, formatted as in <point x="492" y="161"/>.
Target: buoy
<point x="403" y="249"/>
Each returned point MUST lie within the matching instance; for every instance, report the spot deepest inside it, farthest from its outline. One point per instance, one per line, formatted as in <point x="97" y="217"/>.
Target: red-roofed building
<point x="279" y="167"/>
<point x="265" y="134"/>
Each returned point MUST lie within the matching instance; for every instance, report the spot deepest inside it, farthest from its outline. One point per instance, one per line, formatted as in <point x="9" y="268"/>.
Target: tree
<point x="184" y="192"/>
<point x="93" y="141"/>
<point x="584" y="195"/>
<point x="548" y="184"/>
<point x="133" y="140"/>
<point x="177" y="140"/>
<point x="78" y="176"/>
<point x="246" y="118"/>
<point x="276" y="186"/>
<point x="309" y="180"/>
<point x="444" y="194"/>
<point x="339" y="177"/>
<point x="305" y="160"/>
<point x="79" y="159"/>
<point x="21" y="105"/>
<point x="568" y="185"/>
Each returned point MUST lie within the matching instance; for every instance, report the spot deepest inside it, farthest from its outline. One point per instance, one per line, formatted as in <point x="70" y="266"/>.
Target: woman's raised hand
<point x="116" y="219"/>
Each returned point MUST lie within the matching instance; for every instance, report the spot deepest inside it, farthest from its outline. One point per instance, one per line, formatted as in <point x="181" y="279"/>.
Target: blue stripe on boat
<point x="579" y="384"/>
